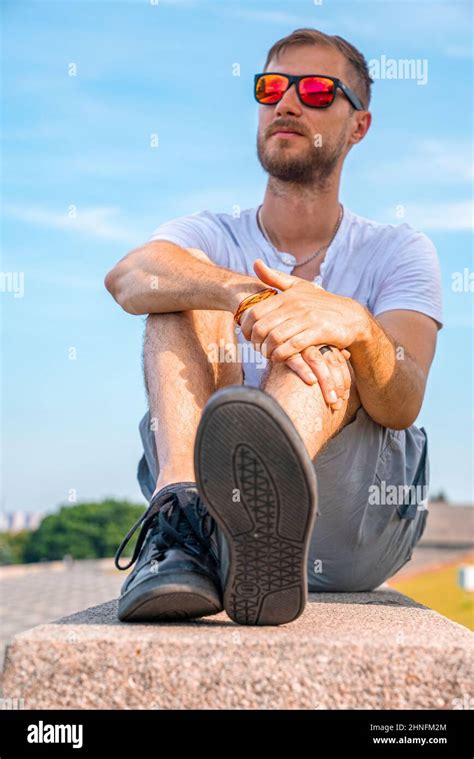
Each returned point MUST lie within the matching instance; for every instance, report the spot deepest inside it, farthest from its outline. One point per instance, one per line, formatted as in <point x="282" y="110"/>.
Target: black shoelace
<point x="189" y="526"/>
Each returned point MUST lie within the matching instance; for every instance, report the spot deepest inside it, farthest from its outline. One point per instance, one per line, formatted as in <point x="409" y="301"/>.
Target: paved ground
<point x="377" y="650"/>
<point x="34" y="594"/>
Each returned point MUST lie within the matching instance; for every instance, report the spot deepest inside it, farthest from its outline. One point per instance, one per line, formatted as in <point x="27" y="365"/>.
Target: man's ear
<point x="361" y="127"/>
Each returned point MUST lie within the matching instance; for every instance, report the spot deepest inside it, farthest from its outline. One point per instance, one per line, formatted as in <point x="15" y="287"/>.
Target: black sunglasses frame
<point x="338" y="84"/>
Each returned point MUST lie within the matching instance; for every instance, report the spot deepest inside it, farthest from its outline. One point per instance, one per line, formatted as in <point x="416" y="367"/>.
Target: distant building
<point x="20" y="520"/>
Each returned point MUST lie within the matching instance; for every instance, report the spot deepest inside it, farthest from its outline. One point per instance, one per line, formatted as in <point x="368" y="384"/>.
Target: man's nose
<point x="290" y="102"/>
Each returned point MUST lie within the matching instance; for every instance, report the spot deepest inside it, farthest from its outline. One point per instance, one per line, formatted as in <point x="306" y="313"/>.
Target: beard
<point x="312" y="166"/>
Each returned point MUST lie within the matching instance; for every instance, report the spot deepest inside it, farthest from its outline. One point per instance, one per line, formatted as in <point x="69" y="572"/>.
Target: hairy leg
<point x="182" y="370"/>
<point x="315" y="421"/>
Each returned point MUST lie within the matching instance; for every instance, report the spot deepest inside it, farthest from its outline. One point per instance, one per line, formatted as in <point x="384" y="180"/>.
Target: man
<point x="338" y="321"/>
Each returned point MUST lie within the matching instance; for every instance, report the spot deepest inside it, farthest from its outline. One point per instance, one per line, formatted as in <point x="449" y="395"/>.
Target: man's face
<point x="309" y="155"/>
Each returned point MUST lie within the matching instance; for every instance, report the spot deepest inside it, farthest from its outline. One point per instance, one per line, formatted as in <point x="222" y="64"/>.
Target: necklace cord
<point x="313" y="255"/>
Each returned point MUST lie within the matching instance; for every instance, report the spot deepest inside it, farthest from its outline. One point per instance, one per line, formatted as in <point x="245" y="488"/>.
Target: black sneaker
<point x="176" y="575"/>
<point x="258" y="483"/>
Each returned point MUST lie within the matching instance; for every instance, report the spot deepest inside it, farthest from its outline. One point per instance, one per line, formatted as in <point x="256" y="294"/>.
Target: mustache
<point x="276" y="126"/>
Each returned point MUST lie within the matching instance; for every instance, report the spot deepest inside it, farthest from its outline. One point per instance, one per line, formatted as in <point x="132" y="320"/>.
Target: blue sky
<point x="81" y="145"/>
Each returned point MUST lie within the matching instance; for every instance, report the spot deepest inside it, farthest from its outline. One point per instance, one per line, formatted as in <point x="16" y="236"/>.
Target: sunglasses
<point x="314" y="90"/>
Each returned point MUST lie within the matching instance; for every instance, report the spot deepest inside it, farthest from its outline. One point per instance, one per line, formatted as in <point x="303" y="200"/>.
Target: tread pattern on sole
<point x="246" y="445"/>
<point x="263" y="564"/>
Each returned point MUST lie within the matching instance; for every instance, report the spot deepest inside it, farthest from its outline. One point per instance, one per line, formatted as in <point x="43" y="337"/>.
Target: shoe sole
<point x="175" y="600"/>
<point x="258" y="482"/>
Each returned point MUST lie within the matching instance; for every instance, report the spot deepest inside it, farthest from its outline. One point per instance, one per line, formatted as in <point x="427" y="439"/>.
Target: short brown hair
<point x="361" y="79"/>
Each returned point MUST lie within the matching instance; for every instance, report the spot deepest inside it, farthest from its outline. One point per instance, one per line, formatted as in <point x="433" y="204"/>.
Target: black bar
<point x="110" y="733"/>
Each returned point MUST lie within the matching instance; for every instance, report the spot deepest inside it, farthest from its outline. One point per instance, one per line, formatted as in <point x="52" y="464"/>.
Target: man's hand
<point x="303" y="315"/>
<point x="390" y="355"/>
<point x="260" y="323"/>
<point x="330" y="370"/>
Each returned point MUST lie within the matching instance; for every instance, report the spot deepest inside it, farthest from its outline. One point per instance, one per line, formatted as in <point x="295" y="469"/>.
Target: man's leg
<point x="254" y="467"/>
<point x="315" y="421"/>
<point x="359" y="539"/>
<point x="176" y="572"/>
<point x="180" y="378"/>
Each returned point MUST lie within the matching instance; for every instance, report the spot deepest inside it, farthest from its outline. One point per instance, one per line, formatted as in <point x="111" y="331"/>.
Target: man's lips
<point x="286" y="134"/>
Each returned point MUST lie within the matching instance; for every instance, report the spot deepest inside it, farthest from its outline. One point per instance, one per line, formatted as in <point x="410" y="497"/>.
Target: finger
<point x="323" y="373"/>
<point x="296" y="344"/>
<point x="280" y="329"/>
<point x="342" y="354"/>
<point x="334" y="362"/>
<point x="343" y="367"/>
<point x="332" y="358"/>
<point x="273" y="329"/>
<point x="257" y="312"/>
<point x="273" y="277"/>
<point x="302" y="369"/>
<point x="347" y="378"/>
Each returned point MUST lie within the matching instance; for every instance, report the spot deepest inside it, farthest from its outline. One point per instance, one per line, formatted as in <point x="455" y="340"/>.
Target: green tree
<point x="83" y="531"/>
<point x="12" y="546"/>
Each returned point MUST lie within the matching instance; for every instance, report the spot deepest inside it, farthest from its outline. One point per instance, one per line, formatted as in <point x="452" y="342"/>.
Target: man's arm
<point x="390" y="356"/>
<point x="391" y="362"/>
<point x="161" y="277"/>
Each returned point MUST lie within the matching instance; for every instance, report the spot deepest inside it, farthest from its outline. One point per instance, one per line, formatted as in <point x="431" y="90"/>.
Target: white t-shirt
<point x="382" y="266"/>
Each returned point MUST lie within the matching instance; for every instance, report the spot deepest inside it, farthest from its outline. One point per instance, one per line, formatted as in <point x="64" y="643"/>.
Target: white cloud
<point x="441" y="161"/>
<point x="455" y="216"/>
<point x="453" y="159"/>
<point x="458" y="51"/>
<point x="100" y="223"/>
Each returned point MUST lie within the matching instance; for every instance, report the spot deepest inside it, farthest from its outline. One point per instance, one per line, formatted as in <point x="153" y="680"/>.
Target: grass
<point x="439" y="590"/>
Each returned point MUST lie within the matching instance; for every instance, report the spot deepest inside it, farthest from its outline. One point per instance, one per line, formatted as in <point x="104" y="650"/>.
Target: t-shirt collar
<point x="286" y="259"/>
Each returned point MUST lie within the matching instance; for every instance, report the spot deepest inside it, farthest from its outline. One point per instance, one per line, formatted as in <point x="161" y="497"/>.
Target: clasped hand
<point x="291" y="327"/>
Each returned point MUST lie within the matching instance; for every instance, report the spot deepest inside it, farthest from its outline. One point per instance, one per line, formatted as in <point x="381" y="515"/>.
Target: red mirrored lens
<point x="270" y="88"/>
<point x="316" y="91"/>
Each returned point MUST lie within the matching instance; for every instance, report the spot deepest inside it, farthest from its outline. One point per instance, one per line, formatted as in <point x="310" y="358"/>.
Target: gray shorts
<point x="372" y="503"/>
